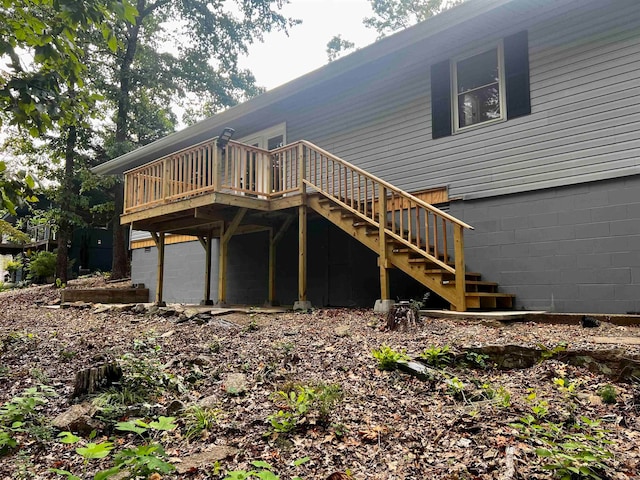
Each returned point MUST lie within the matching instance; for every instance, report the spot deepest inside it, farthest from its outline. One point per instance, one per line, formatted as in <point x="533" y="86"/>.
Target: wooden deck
<point x="211" y="192"/>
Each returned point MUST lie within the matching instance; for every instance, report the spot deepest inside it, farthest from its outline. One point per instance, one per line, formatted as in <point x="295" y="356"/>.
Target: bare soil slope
<point x="469" y="421"/>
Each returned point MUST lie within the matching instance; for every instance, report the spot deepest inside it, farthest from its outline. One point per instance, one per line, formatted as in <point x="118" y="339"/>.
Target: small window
<point x="475" y="90"/>
<point x="478" y="89"/>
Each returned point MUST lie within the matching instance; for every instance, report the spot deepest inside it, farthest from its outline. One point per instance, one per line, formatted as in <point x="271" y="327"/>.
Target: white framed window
<point x="478" y="89"/>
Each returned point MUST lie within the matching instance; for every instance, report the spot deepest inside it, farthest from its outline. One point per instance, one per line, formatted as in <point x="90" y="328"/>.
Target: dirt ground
<point x="470" y="420"/>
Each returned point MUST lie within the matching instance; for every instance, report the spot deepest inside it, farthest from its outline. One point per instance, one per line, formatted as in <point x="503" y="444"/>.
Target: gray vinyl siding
<point x="584" y="125"/>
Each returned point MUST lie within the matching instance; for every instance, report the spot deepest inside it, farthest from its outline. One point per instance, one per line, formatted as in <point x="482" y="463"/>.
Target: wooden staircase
<point x="479" y="294"/>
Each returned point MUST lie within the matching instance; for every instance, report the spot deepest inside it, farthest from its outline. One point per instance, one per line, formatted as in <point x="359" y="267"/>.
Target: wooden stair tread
<point x="490" y="294"/>
<point x="471" y="282"/>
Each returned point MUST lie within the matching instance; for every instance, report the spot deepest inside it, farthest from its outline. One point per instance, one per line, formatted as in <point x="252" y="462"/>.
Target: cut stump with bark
<point x="403" y="316"/>
<point x="91" y="380"/>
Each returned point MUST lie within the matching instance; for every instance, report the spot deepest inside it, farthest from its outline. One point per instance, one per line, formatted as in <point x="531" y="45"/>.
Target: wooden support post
<point x="159" y="241"/>
<point x="302" y="303"/>
<point x="225" y="236"/>
<point x="206" y="242"/>
<point x="382" y="245"/>
<point x="461" y="276"/>
<point x="273" y="243"/>
<point x="222" y="268"/>
<point x="272" y="269"/>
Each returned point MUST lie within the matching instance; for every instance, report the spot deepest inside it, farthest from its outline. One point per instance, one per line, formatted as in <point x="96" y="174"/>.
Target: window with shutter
<point x="485" y="88"/>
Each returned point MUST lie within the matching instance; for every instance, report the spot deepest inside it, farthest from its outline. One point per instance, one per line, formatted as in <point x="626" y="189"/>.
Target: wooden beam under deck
<point x="195" y="202"/>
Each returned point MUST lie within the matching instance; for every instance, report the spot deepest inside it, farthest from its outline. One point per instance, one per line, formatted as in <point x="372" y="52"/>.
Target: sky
<point x="281" y="59"/>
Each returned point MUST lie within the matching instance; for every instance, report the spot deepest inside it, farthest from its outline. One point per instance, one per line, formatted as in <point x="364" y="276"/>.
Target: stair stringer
<point x="433" y="281"/>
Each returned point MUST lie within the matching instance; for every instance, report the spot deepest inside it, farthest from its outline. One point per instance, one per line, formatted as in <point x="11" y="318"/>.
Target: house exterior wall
<point x="584" y="124"/>
<point x="566" y="249"/>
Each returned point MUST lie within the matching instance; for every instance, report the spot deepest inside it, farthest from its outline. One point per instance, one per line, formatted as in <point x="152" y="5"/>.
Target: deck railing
<point x="238" y="169"/>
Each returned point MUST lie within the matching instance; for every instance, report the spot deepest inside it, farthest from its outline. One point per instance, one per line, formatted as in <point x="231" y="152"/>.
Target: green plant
<point x="437" y="356"/>
<point x="42" y="265"/>
<point x="608" y="394"/>
<point x="143" y="380"/>
<point x="200" y="419"/>
<point x="263" y="471"/>
<point x="12" y="266"/>
<point x="389" y="358"/>
<point x="60" y="283"/>
<point x="549" y="353"/>
<point x="475" y="359"/>
<point x="137" y="461"/>
<point x="578" y="450"/>
<point x="456" y="387"/>
<point x="301" y="401"/>
<point x="21" y="416"/>
<point x="252" y="326"/>
<point x="500" y="396"/>
<point x="214" y="346"/>
<point x="67" y="355"/>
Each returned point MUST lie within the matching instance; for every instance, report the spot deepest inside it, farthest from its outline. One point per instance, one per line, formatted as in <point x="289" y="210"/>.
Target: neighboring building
<point x="520" y="118"/>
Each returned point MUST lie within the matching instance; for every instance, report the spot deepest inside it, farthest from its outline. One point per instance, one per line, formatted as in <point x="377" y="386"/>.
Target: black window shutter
<point x="440" y="99"/>
<point x="516" y="68"/>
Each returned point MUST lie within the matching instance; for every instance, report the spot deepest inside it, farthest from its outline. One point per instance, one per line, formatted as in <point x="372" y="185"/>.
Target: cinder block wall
<point x="183" y="272"/>
<point x="568" y="249"/>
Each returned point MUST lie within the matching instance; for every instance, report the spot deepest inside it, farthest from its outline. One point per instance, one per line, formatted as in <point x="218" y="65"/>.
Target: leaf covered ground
<point x="302" y="395"/>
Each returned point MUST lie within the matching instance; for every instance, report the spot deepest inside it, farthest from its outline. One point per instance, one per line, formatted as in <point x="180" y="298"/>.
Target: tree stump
<point x="91" y="380"/>
<point x="403" y="315"/>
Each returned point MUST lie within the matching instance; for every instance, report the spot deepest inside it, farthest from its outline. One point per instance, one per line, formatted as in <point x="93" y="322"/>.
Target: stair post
<point x="385" y="303"/>
<point x="461" y="276"/>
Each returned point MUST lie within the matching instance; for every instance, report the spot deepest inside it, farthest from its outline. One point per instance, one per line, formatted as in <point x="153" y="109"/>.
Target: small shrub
<point x="608" y="394"/>
<point x="388" y="358"/>
<point x="42" y="266"/>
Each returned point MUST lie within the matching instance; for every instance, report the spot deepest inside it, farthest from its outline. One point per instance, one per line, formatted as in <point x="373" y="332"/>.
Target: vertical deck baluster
<point x="393" y="212"/>
<point x="418" y="226"/>
<point x="366" y="196"/>
<point x="445" y="249"/>
<point x="436" y="250"/>
<point x="409" y="223"/>
<point x="201" y="167"/>
<point x="352" y="190"/>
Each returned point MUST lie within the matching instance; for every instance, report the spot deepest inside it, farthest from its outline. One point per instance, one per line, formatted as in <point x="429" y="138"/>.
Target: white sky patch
<point x="281" y="59"/>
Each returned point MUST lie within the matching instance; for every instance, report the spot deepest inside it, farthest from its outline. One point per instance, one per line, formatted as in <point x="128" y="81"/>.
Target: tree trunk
<point x="65" y="225"/>
<point x="120" y="259"/>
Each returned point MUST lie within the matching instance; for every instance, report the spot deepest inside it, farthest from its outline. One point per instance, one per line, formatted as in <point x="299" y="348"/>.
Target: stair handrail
<point x="378" y="180"/>
<point x="386" y="228"/>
